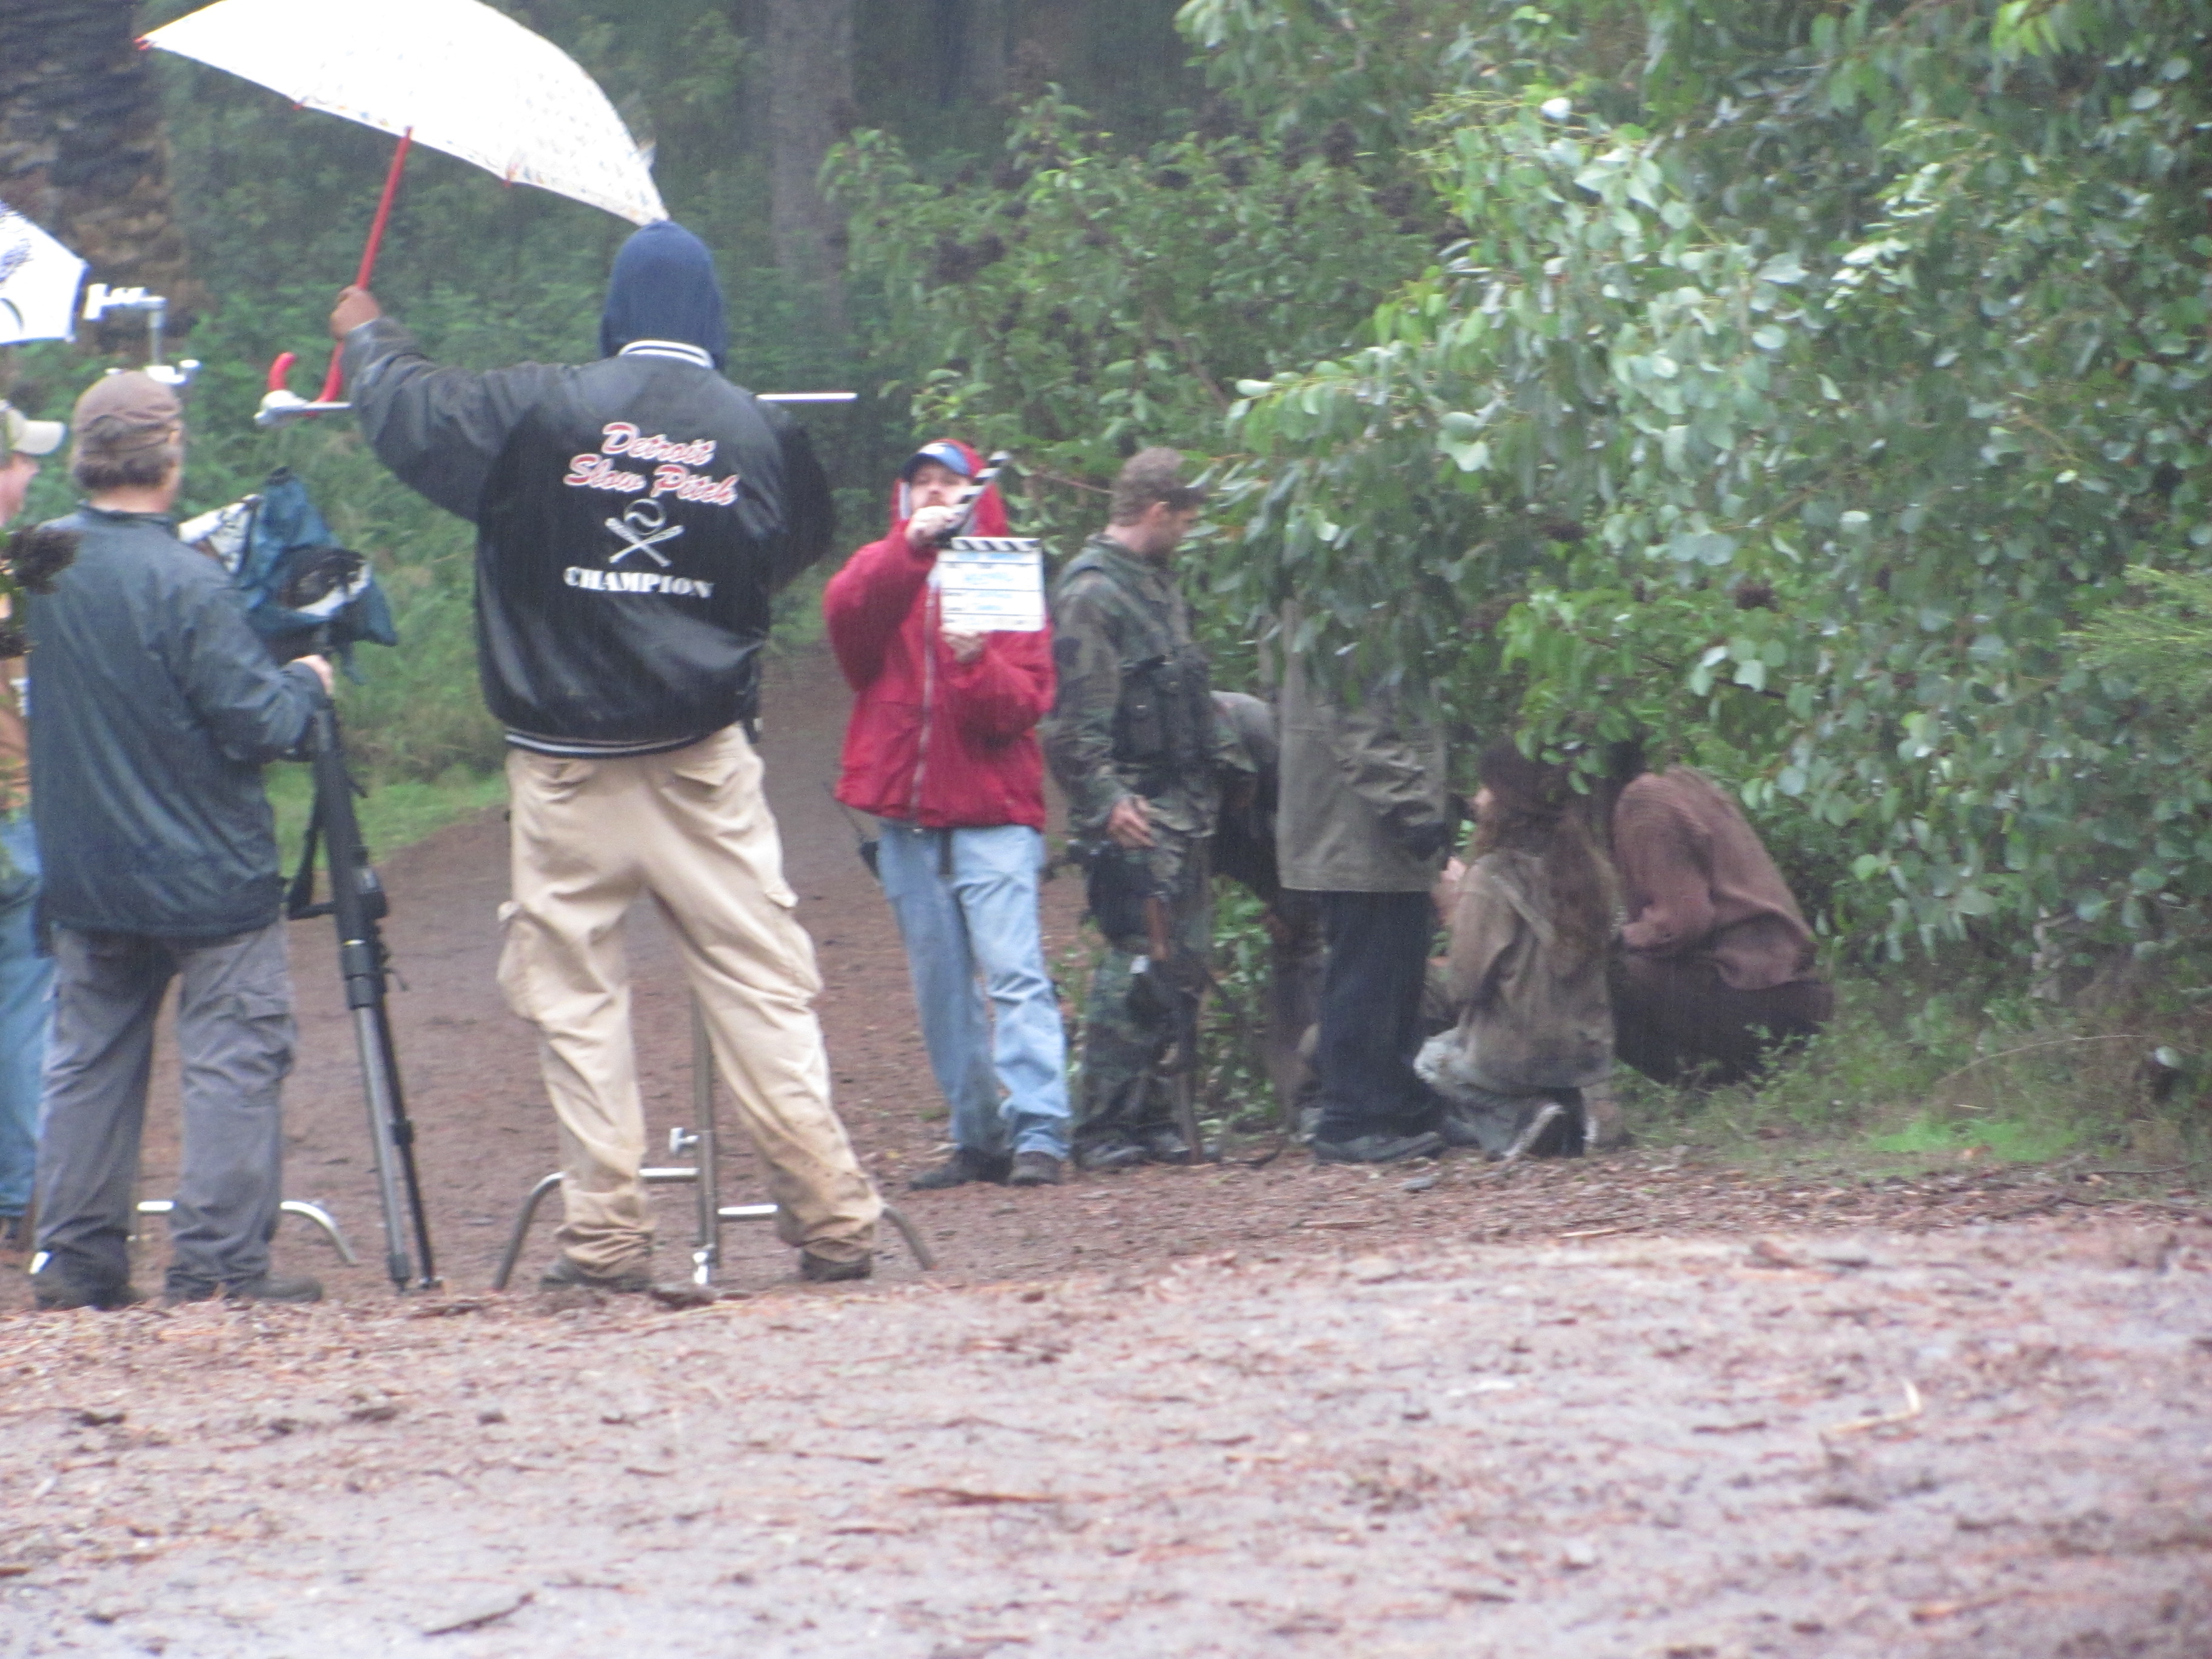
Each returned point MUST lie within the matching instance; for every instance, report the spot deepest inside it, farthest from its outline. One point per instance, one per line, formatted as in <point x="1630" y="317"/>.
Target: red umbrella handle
<point x="333" y="385"/>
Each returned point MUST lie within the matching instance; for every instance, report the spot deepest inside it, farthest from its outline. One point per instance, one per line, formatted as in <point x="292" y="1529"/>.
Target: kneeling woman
<point x="1527" y="1064"/>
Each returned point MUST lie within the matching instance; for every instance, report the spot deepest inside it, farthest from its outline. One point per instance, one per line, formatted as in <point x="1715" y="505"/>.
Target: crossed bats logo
<point x="643" y="526"/>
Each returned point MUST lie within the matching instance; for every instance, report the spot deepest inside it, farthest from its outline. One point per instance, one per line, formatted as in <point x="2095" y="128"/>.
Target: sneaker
<point x="54" y="1292"/>
<point x="1101" y="1155"/>
<point x="566" y="1273"/>
<point x="1377" y="1148"/>
<point x="1602" y="1125"/>
<point x="1164" y="1144"/>
<point x="822" y="1270"/>
<point x="1035" y="1169"/>
<point x="965" y="1165"/>
<point x="1534" y="1130"/>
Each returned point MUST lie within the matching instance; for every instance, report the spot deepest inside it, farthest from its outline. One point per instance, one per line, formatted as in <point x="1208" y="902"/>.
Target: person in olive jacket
<point x="1362" y="825"/>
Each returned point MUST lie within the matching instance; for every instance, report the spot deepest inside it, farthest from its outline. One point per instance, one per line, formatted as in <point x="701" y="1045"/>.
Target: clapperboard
<point x="991" y="585"/>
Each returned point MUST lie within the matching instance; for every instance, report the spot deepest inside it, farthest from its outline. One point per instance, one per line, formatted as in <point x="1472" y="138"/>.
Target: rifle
<point x="1184" y="983"/>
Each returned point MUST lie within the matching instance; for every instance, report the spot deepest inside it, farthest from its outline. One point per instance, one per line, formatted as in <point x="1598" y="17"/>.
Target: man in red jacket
<point x="943" y="749"/>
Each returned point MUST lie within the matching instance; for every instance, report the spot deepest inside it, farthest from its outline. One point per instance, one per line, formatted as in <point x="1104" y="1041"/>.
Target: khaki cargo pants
<point x="690" y="828"/>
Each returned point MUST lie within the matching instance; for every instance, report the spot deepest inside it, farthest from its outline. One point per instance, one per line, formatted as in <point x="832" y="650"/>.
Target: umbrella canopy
<point x="465" y="79"/>
<point x="37" y="283"/>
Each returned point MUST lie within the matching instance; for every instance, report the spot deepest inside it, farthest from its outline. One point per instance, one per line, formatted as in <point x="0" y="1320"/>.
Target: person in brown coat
<point x="1716" y="968"/>
<point x="1526" y="1064"/>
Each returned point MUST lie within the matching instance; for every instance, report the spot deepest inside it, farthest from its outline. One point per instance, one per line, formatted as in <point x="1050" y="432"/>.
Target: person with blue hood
<point x="635" y="518"/>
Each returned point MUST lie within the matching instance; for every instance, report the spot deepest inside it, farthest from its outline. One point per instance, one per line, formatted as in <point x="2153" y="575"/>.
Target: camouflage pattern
<point x="1112" y="612"/>
<point x="1116" y="618"/>
<point x="1127" y="1027"/>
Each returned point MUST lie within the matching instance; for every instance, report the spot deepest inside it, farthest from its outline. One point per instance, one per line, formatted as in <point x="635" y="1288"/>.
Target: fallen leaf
<point x="476" y="1615"/>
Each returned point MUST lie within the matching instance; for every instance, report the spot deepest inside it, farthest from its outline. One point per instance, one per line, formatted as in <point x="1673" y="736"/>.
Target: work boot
<point x="1380" y="1147"/>
<point x="55" y="1290"/>
<point x="823" y="1270"/>
<point x="566" y="1273"/>
<point x="275" y="1287"/>
<point x="1035" y="1169"/>
<point x="966" y="1165"/>
<point x="1098" y="1157"/>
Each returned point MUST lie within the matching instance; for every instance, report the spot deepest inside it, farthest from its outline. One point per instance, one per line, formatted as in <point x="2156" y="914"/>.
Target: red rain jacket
<point x="933" y="741"/>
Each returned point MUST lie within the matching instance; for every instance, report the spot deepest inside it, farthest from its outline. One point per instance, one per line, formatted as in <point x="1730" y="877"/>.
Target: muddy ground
<point x="1635" y="1406"/>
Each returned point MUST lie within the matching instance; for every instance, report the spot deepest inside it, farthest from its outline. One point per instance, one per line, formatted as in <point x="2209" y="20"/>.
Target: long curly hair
<point x="1534" y="809"/>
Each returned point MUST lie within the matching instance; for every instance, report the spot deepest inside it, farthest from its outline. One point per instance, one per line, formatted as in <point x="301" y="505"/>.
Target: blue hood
<point x="663" y="289"/>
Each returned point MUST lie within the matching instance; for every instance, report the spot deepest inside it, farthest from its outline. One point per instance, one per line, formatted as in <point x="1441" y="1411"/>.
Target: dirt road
<point x="1635" y="1406"/>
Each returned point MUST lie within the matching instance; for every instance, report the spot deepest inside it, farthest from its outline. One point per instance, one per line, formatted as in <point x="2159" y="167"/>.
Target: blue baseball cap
<point x="943" y="451"/>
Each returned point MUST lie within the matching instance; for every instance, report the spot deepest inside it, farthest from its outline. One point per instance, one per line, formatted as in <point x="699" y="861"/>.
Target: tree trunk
<point x="83" y="150"/>
<point x="983" y="51"/>
<point x="810" y="68"/>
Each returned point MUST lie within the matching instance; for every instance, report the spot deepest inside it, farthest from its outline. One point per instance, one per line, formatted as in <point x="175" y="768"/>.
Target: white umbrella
<point x="37" y="283"/>
<point x="454" y="74"/>
<point x="460" y="76"/>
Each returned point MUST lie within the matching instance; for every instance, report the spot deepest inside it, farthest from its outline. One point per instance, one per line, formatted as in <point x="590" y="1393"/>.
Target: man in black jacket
<point x="157" y="705"/>
<point x="635" y="517"/>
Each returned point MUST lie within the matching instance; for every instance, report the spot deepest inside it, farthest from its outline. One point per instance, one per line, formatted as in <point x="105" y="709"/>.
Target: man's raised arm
<point x="439" y="429"/>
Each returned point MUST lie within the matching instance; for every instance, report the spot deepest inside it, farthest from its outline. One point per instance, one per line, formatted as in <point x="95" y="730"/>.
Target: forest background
<point x="1814" y="389"/>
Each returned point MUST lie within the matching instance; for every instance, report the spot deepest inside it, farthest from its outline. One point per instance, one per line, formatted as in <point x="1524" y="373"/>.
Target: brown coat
<point x="1700" y="885"/>
<point x="1532" y="1009"/>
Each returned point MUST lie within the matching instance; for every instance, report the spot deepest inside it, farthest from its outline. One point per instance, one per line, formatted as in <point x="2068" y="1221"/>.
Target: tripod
<point x="357" y="904"/>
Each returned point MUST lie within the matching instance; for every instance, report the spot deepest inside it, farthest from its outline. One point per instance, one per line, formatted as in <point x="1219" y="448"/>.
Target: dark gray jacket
<point x="153" y="707"/>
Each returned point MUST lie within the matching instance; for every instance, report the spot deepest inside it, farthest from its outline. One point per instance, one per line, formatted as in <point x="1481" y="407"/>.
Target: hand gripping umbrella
<point x="451" y="74"/>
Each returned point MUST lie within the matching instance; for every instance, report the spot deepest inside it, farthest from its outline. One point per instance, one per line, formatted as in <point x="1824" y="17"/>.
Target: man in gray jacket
<point x="155" y="707"/>
<point x="1362" y="826"/>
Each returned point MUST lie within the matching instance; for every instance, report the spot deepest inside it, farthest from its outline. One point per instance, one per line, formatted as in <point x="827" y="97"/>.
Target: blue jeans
<point x="26" y="980"/>
<point x="966" y="902"/>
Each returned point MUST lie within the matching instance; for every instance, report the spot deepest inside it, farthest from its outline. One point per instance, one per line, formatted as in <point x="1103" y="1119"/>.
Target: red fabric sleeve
<point x="1004" y="692"/>
<point x="864" y="603"/>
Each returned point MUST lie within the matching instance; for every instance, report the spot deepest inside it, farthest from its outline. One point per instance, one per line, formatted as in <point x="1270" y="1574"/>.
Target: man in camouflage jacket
<point x="1134" y="742"/>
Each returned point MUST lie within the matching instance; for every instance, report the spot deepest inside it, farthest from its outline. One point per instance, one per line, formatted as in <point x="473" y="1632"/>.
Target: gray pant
<point x="234" y="1041"/>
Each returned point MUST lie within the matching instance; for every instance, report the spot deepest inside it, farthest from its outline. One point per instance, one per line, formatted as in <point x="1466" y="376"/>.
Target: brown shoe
<point x="821" y="1270"/>
<point x="1035" y="1169"/>
<point x="567" y="1274"/>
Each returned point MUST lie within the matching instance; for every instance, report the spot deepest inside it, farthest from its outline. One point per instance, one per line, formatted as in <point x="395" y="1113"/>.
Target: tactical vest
<point x="1164" y="733"/>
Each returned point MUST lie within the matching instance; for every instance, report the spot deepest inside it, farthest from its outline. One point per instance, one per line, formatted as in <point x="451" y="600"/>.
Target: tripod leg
<point x="378" y="1087"/>
<point x="402" y="1136"/>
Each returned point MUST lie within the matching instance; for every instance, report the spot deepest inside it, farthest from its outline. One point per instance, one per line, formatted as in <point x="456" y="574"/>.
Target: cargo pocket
<point x="247" y="1039"/>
